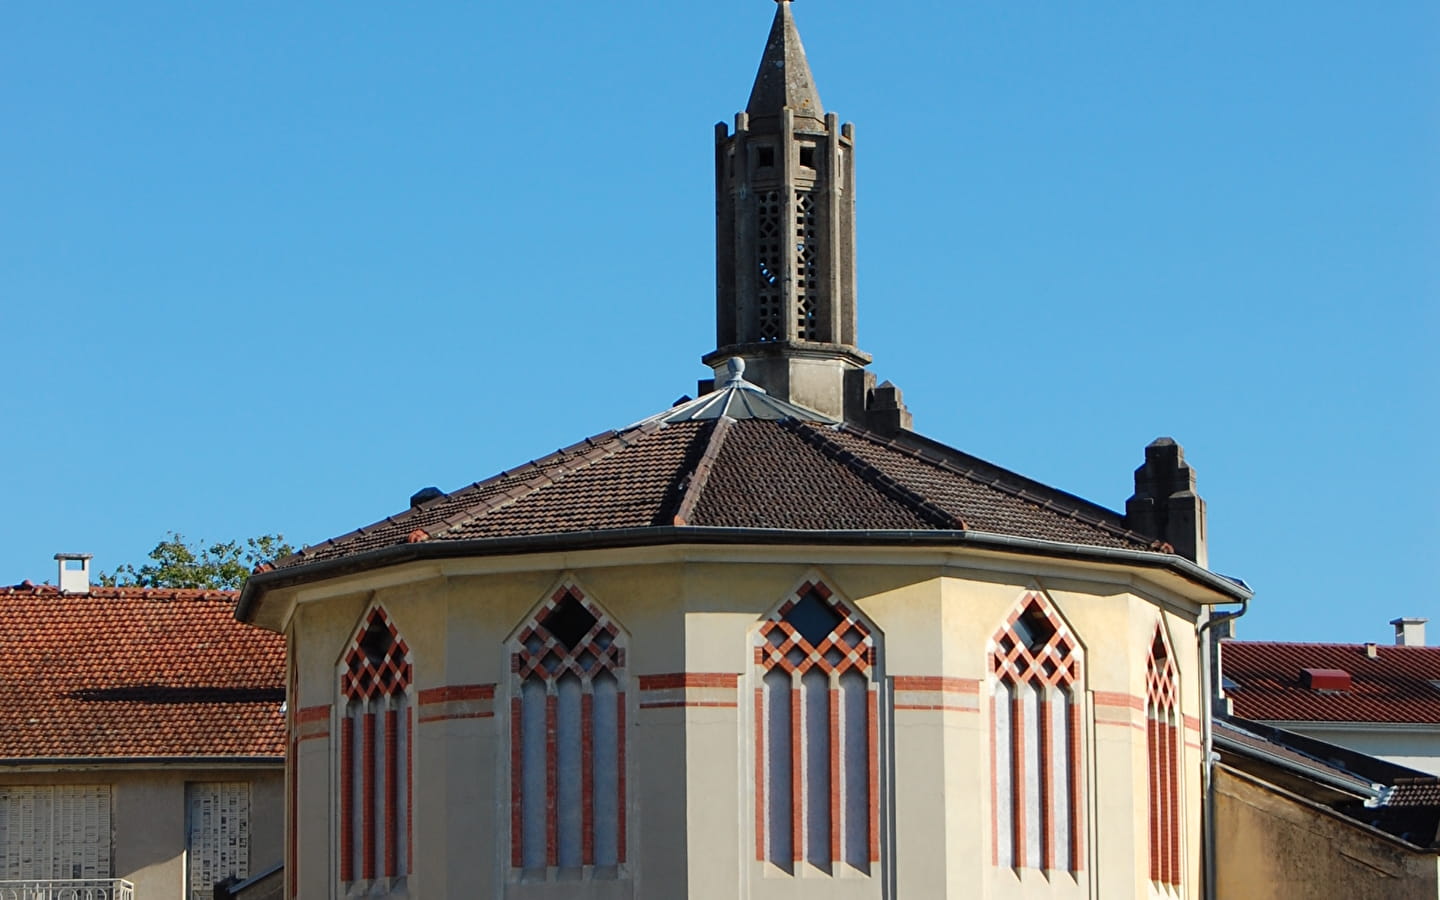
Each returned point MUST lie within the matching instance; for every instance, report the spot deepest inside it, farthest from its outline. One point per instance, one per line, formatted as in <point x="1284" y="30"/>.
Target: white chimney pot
<point x="1409" y="631"/>
<point x="74" y="572"/>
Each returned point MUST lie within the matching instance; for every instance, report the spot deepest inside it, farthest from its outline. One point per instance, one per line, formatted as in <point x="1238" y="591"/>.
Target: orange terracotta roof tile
<point x="1397" y="684"/>
<point x="136" y="672"/>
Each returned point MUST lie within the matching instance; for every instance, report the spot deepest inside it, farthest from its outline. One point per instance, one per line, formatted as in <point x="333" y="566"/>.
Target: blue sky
<point x="275" y="266"/>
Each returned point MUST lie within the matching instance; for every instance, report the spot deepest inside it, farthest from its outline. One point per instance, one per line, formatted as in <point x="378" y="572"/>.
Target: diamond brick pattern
<point x="378" y="663"/>
<point x="847" y="646"/>
<point x="136" y="672"/>
<point x="1398" y="685"/>
<point x="538" y="652"/>
<point x="1052" y="663"/>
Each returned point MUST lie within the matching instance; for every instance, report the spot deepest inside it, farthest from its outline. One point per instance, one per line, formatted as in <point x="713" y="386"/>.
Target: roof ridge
<point x="1020" y="493"/>
<point x="617" y="442"/>
<point x="868" y="471"/>
<point x="700" y="476"/>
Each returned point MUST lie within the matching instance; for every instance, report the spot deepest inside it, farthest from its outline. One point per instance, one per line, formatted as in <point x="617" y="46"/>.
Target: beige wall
<point x="147" y="817"/>
<point x="691" y="785"/>
<point x="1276" y="846"/>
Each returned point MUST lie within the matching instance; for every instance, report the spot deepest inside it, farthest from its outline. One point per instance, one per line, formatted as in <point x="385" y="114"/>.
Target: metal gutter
<point x="257" y="585"/>
<point x="1207" y="740"/>
<point x="1353" y="785"/>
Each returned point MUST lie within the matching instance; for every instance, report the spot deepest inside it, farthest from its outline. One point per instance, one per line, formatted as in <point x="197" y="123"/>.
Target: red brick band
<point x="367" y="814"/>
<point x="620" y="769"/>
<point x="347" y="799"/>
<point x="517" y="745"/>
<point x="552" y="850"/>
<point x="392" y="789"/>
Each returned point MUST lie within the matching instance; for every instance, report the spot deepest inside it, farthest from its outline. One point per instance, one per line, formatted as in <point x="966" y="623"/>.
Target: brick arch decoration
<point x="1037" y="799"/>
<point x="1162" y="742"/>
<point x="567" y="740"/>
<point x="816" y="734"/>
<point x="376" y="753"/>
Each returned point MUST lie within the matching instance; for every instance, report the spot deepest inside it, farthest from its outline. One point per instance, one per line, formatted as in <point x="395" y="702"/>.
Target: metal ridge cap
<point x="700" y="534"/>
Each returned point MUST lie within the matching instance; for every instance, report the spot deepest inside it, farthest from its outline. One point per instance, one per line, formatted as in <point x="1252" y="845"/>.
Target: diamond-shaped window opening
<point x="813" y="618"/>
<point x="1157" y="649"/>
<point x="377" y="642"/>
<point x="569" y="621"/>
<point x="1034" y="629"/>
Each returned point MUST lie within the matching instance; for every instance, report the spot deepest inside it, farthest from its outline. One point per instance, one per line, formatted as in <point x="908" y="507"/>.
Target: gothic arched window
<point x="567" y="739"/>
<point x="1035" y="741"/>
<point x="816" y="772"/>
<point x="1162" y="742"/>
<point x="375" y="754"/>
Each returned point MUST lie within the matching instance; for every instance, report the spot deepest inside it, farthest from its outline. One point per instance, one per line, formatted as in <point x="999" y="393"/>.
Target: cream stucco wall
<point x="693" y="610"/>
<point x="147" y="817"/>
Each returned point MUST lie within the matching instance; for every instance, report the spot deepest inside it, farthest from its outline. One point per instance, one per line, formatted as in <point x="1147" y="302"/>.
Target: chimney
<point x="1165" y="504"/>
<point x="1409" y="631"/>
<point x="74" y="572"/>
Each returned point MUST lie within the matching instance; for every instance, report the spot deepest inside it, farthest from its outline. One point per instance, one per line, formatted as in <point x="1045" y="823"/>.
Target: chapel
<point x="770" y="642"/>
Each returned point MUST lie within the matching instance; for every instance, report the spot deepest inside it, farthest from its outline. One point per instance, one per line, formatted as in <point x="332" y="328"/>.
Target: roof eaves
<point x="396" y="554"/>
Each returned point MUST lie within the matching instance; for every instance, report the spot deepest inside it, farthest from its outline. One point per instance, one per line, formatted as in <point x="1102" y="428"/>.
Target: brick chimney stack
<point x="1165" y="505"/>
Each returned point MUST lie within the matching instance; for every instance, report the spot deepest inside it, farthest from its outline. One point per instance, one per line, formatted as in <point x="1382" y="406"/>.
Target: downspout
<point x="1207" y="742"/>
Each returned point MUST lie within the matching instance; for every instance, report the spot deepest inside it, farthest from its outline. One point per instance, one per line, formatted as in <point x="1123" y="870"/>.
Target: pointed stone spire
<point x="784" y="79"/>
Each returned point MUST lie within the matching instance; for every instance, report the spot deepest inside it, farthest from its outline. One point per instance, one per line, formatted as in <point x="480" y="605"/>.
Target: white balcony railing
<point x="67" y="889"/>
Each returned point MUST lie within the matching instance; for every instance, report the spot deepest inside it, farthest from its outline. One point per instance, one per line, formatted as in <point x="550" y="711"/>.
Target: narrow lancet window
<point x="1162" y="741"/>
<point x="567" y="741"/>
<point x="816" y="778"/>
<point x="1035" y="744"/>
<point x="375" y="755"/>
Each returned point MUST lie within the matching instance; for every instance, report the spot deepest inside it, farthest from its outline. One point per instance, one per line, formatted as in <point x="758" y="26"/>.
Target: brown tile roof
<point x="744" y="473"/>
<point x="1397" y="685"/>
<point x="136" y="672"/>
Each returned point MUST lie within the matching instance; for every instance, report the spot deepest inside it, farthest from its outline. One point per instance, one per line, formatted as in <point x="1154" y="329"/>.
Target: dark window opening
<point x="813" y="618"/>
<point x="807" y="157"/>
<point x="569" y="622"/>
<point x="1034" y="629"/>
<point x="765" y="157"/>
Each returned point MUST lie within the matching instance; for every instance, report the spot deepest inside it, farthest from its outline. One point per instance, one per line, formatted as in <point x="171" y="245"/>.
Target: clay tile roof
<point x="741" y="460"/>
<point x="1413" y="792"/>
<point x="136" y="672"/>
<point x="1398" y="685"/>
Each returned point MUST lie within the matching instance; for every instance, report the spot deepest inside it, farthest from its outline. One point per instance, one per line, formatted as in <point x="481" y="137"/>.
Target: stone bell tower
<point x="785" y="241"/>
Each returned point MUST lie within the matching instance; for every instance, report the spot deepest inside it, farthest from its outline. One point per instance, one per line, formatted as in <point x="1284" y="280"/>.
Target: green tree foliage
<point x="174" y="563"/>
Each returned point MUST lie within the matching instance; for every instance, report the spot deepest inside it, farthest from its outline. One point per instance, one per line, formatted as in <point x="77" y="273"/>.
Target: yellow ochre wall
<point x="1274" y="846"/>
<point x="690" y="812"/>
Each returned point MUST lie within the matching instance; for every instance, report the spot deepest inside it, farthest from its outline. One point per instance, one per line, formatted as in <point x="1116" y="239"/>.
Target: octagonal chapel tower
<point x="766" y="643"/>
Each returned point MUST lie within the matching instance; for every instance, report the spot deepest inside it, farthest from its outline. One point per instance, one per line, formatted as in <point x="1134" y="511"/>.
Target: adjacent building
<point x="1378" y="699"/>
<point x="142" y="741"/>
